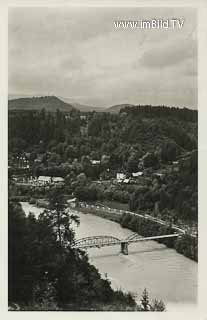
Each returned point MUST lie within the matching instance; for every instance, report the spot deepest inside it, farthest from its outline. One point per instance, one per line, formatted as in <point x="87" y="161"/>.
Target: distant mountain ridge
<point x="118" y="107"/>
<point x="52" y="103"/>
<point x="49" y="103"/>
<point x="80" y="106"/>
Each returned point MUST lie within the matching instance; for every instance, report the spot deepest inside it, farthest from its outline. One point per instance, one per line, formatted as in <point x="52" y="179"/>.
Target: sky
<point x="77" y="53"/>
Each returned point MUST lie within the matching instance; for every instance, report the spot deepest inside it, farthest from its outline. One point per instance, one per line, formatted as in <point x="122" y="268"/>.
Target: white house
<point x="58" y="180"/>
<point x="175" y="162"/>
<point x="157" y="174"/>
<point x="72" y="202"/>
<point x="44" y="180"/>
<point x="137" y="174"/>
<point x="94" y="162"/>
<point x="120" y="176"/>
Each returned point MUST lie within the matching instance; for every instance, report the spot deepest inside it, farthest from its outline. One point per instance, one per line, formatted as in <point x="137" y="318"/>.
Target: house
<point x="72" y="202"/>
<point x="158" y="175"/>
<point x="95" y="162"/>
<point x="126" y="181"/>
<point x="44" y="180"/>
<point x="120" y="176"/>
<point x="84" y="130"/>
<point x="39" y="158"/>
<point x="137" y="174"/>
<point x="58" y="180"/>
<point x="175" y="162"/>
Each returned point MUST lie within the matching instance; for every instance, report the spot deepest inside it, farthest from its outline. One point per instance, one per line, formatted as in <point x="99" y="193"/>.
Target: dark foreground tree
<point x="146" y="305"/>
<point x="59" y="217"/>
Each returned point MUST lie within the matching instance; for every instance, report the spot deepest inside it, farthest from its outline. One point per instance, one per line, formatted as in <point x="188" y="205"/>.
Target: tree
<point x="132" y="163"/>
<point x="150" y="160"/>
<point x="60" y="218"/>
<point x="157" y="305"/>
<point x="169" y="151"/>
<point x="81" y="179"/>
<point x="145" y="305"/>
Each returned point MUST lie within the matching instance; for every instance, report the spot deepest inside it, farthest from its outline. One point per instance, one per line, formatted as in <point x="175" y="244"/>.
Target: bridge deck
<point x="91" y="242"/>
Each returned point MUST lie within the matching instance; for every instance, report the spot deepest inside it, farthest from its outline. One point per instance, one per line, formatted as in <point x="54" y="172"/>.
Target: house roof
<point x="137" y="174"/>
<point x="158" y="174"/>
<point x="71" y="200"/>
<point x="57" y="179"/>
<point x="95" y="161"/>
<point x="44" y="178"/>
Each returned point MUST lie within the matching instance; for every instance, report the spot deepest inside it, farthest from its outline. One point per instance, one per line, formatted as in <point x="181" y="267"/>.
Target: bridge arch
<point x="96" y="241"/>
<point x="133" y="236"/>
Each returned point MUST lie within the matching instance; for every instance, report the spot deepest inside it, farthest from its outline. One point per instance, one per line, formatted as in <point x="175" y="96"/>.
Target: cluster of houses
<point x="122" y="177"/>
<point x="19" y="162"/>
<point x="40" y="181"/>
<point x="47" y="180"/>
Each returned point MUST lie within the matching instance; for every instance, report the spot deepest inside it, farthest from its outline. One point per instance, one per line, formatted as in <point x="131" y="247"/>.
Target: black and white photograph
<point x="102" y="158"/>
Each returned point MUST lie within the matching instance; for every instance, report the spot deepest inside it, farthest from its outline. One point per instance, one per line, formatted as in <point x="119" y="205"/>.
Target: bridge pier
<point x="124" y="248"/>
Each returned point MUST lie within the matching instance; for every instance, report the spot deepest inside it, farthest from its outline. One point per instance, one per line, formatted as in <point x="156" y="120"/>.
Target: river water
<point x="166" y="274"/>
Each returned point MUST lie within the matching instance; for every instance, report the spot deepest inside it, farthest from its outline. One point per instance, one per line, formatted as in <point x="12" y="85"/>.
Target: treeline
<point x="118" y="135"/>
<point x="184" y="114"/>
<point x="186" y="244"/>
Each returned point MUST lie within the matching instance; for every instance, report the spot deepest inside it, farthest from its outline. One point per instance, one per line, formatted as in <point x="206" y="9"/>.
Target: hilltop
<point x="49" y="103"/>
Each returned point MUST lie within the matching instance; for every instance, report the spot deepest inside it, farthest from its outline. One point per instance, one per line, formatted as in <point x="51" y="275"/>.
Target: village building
<point x="175" y="162"/>
<point x="95" y="162"/>
<point x="72" y="202"/>
<point x="137" y="174"/>
<point x="58" y="180"/>
<point x="84" y="130"/>
<point x="83" y="117"/>
<point x="158" y="174"/>
<point x="120" y="176"/>
<point x="47" y="180"/>
<point x="44" y="180"/>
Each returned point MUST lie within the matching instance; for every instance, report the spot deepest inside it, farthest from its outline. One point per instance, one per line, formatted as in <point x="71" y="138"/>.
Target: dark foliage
<point x="46" y="274"/>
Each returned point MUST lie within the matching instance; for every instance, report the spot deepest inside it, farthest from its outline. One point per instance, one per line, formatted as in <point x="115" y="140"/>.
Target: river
<point x="166" y="274"/>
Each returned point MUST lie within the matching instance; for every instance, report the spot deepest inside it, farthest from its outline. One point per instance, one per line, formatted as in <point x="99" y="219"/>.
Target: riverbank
<point x="186" y="245"/>
<point x="175" y="283"/>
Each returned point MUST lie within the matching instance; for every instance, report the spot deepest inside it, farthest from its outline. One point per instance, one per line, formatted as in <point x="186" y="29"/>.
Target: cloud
<point x="77" y="52"/>
<point x="169" y="54"/>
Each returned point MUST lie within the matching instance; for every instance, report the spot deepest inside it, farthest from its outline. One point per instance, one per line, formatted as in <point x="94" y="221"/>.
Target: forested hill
<point x="135" y="130"/>
<point x="158" y="111"/>
<point x="49" y="103"/>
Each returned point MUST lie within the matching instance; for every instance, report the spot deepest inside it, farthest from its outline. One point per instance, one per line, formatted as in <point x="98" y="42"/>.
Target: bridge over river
<point x="103" y="241"/>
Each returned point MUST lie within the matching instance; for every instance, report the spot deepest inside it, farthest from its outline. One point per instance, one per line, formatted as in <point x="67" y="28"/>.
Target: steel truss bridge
<point x="104" y="241"/>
